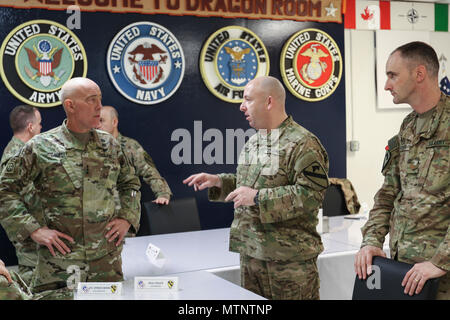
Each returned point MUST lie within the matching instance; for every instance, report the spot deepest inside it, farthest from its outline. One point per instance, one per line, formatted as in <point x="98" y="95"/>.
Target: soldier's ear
<point x="421" y="73"/>
<point x="30" y="127"/>
<point x="69" y="106"/>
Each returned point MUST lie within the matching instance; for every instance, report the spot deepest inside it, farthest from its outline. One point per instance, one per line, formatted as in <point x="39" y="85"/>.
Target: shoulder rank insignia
<point x="316" y="174"/>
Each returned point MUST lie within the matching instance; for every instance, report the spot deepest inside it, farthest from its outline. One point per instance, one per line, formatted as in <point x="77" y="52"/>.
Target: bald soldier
<point x="25" y="122"/>
<point x="277" y="191"/>
<point x="78" y="172"/>
<point x="412" y="205"/>
<point x="139" y="158"/>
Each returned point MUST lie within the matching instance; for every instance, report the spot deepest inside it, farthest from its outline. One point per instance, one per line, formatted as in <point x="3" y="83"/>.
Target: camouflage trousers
<point x="62" y="275"/>
<point x="26" y="273"/>
<point x="18" y="290"/>
<point x="281" y="280"/>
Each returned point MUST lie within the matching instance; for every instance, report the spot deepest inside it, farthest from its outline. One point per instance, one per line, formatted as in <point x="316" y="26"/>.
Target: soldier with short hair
<point x="413" y="203"/>
<point x="78" y="172"/>
<point x="25" y="122"/>
<point x="277" y="190"/>
<point x="140" y="160"/>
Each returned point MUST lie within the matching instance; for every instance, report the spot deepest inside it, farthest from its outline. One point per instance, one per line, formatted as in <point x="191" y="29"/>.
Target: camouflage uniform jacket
<point x="413" y="203"/>
<point x="144" y="166"/>
<point x="291" y="176"/>
<point x="77" y="185"/>
<point x="26" y="250"/>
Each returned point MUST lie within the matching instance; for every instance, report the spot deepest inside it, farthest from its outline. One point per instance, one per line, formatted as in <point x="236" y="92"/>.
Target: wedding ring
<point x="416" y="280"/>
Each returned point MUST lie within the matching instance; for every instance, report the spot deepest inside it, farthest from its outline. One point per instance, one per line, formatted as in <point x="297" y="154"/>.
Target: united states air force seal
<point x="145" y="63"/>
<point x="37" y="58"/>
<point x="311" y="65"/>
<point x="230" y="58"/>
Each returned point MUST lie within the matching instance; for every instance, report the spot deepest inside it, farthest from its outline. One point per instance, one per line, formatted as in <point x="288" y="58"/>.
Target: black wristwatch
<point x="255" y="199"/>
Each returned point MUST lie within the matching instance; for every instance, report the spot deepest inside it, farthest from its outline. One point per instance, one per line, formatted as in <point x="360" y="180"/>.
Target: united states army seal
<point x="145" y="63"/>
<point x="37" y="58"/>
<point x="311" y="65"/>
<point x="230" y="58"/>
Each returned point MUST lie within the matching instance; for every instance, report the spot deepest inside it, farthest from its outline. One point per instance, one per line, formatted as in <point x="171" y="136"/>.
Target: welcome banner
<point x="299" y="10"/>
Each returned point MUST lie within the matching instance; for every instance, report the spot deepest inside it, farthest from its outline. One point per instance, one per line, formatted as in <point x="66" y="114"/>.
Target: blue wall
<point x="153" y="125"/>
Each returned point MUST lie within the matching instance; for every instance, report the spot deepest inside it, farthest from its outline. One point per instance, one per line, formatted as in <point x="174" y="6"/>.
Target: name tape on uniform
<point x="155" y="283"/>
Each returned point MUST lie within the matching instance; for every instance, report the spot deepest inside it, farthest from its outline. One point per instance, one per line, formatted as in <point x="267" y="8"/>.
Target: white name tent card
<point x="155" y="283"/>
<point x="100" y="288"/>
<point x="155" y="255"/>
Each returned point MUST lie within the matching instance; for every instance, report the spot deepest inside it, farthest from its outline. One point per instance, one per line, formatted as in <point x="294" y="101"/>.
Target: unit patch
<point x="230" y="58"/>
<point x="145" y="63"/>
<point x="316" y="174"/>
<point x="311" y="65"/>
<point x="37" y="58"/>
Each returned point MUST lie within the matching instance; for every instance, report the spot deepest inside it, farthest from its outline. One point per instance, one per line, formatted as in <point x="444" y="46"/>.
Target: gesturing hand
<point x="202" y="181"/>
<point x="242" y="196"/>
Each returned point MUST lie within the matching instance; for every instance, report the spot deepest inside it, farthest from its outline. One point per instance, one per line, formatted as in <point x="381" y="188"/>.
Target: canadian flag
<point x="367" y="15"/>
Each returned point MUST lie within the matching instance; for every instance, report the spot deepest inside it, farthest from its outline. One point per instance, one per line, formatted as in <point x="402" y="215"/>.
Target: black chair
<point x="387" y="285"/>
<point x="179" y="215"/>
<point x="334" y="202"/>
<point x="7" y="250"/>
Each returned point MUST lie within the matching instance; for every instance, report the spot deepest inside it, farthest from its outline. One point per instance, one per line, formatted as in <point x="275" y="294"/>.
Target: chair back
<point x="180" y="215"/>
<point x="334" y="202"/>
<point x="385" y="283"/>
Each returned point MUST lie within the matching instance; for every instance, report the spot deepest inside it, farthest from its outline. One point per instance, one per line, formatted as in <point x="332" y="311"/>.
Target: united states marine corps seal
<point x="230" y="58"/>
<point x="311" y="65"/>
<point x="37" y="58"/>
<point x="145" y="63"/>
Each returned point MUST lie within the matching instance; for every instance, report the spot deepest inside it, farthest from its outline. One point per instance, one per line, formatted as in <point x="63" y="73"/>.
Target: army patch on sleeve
<point x="316" y="174"/>
<point x="387" y="157"/>
<point x="11" y="165"/>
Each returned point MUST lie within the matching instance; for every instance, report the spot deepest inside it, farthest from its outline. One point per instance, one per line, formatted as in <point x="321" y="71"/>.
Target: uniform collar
<point x="17" y="141"/>
<point x="433" y="122"/>
<point x="71" y="142"/>
<point x="286" y="123"/>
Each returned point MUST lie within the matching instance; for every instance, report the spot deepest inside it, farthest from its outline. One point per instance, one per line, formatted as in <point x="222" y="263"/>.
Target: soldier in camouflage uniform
<point x="12" y="287"/>
<point x="413" y="202"/>
<point x="140" y="160"/>
<point x="277" y="190"/>
<point x="77" y="172"/>
<point x="25" y="123"/>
